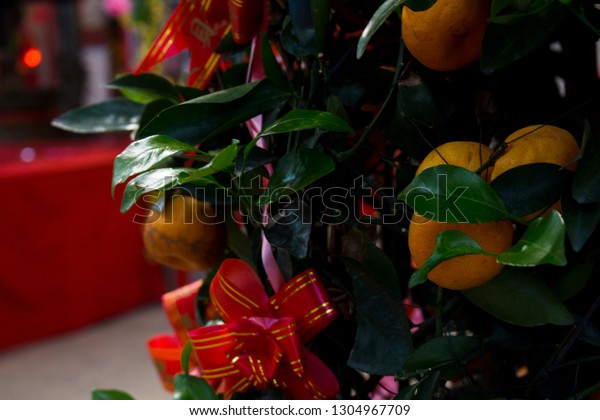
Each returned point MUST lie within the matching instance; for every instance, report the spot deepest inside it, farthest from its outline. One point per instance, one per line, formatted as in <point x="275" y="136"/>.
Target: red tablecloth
<point x="68" y="257"/>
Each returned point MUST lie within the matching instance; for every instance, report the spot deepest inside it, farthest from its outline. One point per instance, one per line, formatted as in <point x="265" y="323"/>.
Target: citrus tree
<point x="435" y="162"/>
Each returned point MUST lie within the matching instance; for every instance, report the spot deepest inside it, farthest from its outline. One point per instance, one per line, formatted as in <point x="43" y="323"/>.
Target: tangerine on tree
<point x="538" y="144"/>
<point x="185" y="235"/>
<point x="466" y="154"/>
<point x="465" y="271"/>
<point x="448" y="35"/>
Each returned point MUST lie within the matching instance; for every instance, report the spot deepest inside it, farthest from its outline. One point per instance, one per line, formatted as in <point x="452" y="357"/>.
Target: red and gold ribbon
<point x="262" y="341"/>
<point x="165" y="349"/>
<point x="200" y="25"/>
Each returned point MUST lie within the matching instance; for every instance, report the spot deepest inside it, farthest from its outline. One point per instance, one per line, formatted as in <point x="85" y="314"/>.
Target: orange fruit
<point x="468" y="270"/>
<point x="466" y="154"/>
<point x="448" y="35"/>
<point x="537" y="144"/>
<point x="186" y="235"/>
<point x="465" y="271"/>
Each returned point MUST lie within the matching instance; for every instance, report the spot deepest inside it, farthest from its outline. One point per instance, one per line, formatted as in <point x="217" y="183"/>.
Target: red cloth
<point x="68" y="257"/>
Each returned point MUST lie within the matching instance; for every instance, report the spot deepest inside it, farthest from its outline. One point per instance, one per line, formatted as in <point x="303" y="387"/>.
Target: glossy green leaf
<point x="202" y="118"/>
<point x="382" y="14"/>
<point x="574" y="280"/>
<point x="222" y="161"/>
<point x="142" y="155"/>
<point x="542" y="243"/>
<point x="518" y="35"/>
<point x="383" y="341"/>
<point x="517" y="297"/>
<point x="272" y="68"/>
<point x="305" y="119"/>
<point x="581" y="220"/>
<point x="185" y="357"/>
<point x="117" y="114"/>
<point x="238" y="242"/>
<point x="448" y="244"/>
<point x="586" y="186"/>
<point x="152" y="109"/>
<point x="450" y="193"/>
<point x="154" y="180"/>
<point x="320" y="11"/>
<point x="145" y="87"/>
<point x="296" y="170"/>
<point x="527" y="189"/>
<point x="110" y="394"/>
<point x="290" y="227"/>
<point x="441" y="351"/>
<point x="428" y="385"/>
<point x="189" y="387"/>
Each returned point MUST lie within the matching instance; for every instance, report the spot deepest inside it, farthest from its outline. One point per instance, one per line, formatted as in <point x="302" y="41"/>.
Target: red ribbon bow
<point x="261" y="343"/>
<point x="200" y="25"/>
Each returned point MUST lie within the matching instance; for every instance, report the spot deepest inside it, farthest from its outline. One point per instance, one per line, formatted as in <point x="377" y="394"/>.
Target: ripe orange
<point x="448" y="35"/>
<point x="185" y="235"/>
<point x="469" y="270"/>
<point x="466" y="271"/>
<point x="537" y="144"/>
<point x="466" y="154"/>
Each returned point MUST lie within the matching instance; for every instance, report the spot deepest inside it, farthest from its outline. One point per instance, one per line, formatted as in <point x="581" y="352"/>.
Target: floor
<point x="108" y="355"/>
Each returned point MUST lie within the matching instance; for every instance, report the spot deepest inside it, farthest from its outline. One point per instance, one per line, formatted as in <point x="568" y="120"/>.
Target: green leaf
<point x="305" y="119"/>
<point x="439" y="352"/>
<point x="320" y="11"/>
<point x="428" y="385"/>
<point x="295" y="171"/>
<point x="383" y="341"/>
<point x="200" y="119"/>
<point x="272" y="68"/>
<point x="110" y="394"/>
<point x="154" y="180"/>
<point x="581" y="220"/>
<point x="586" y="186"/>
<point x="517" y="297"/>
<point x="145" y="154"/>
<point x="237" y="241"/>
<point x="145" y="87"/>
<point x="185" y="357"/>
<point x="117" y="114"/>
<point x="192" y="388"/>
<point x="382" y="14"/>
<point x="449" y="193"/>
<point x="152" y="109"/>
<point x="448" y="244"/>
<point x="518" y="35"/>
<point x="290" y="227"/>
<point x="527" y="189"/>
<point x="574" y="280"/>
<point x="222" y="161"/>
<point x="542" y="243"/>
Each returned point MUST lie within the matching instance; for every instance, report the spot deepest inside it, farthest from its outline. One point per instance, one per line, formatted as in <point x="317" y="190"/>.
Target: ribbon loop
<point x="261" y="344"/>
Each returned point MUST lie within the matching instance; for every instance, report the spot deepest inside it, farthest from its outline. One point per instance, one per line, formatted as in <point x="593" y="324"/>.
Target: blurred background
<point x="78" y="298"/>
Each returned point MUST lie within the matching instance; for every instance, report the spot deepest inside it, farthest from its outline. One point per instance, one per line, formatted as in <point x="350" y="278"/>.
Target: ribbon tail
<point x="170" y="41"/>
<point x="317" y="382"/>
